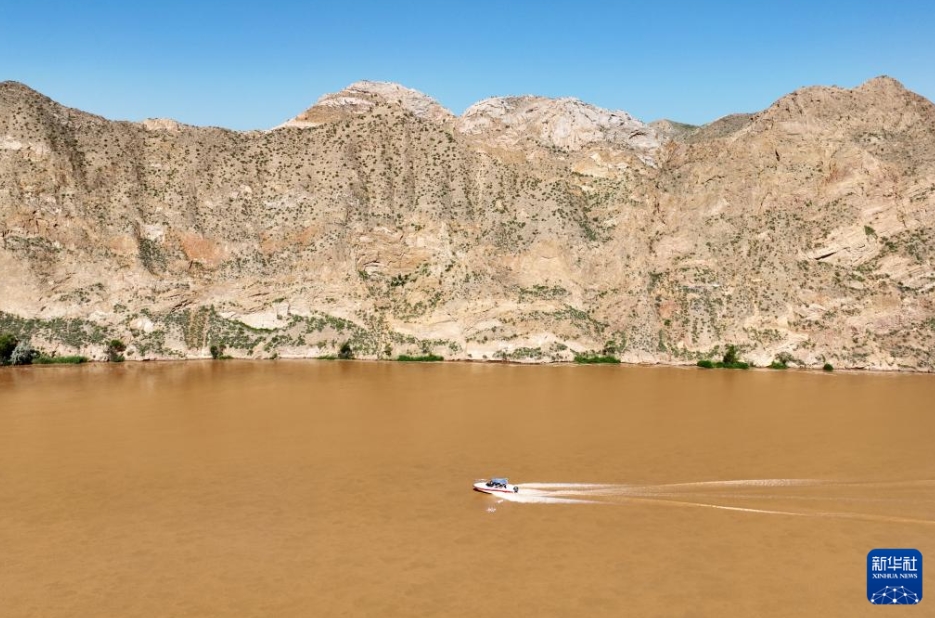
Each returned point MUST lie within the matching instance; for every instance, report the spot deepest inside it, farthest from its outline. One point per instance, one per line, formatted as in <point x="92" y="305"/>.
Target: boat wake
<point x="535" y="496"/>
<point x="906" y="501"/>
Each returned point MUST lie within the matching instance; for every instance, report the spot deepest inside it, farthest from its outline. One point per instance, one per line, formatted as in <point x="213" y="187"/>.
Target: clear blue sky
<point x="249" y="65"/>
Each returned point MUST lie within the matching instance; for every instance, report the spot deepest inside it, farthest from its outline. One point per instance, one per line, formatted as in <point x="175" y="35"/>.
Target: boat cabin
<point x="497" y="482"/>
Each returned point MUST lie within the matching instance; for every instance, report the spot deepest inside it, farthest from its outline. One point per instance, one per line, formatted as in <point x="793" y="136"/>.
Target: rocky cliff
<point x="526" y="229"/>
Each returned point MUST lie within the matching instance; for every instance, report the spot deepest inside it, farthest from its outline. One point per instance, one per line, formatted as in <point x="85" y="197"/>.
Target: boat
<point x="499" y="485"/>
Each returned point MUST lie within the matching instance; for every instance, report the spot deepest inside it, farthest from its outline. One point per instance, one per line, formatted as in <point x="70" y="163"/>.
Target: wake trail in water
<point x="750" y="483"/>
<point x="712" y="494"/>
<point x="567" y="485"/>
<point x="529" y="495"/>
<point x="835" y="515"/>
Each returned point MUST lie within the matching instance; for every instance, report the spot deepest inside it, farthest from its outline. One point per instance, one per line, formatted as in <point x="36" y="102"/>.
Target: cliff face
<point x="526" y="229"/>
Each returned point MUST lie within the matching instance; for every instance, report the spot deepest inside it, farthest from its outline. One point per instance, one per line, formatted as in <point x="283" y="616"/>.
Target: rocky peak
<point x="162" y="124"/>
<point x="883" y="84"/>
<point x="566" y="123"/>
<point x="671" y="130"/>
<point x="16" y="94"/>
<point x="880" y="101"/>
<point x="360" y="97"/>
<point x="13" y="89"/>
<point x="10" y="86"/>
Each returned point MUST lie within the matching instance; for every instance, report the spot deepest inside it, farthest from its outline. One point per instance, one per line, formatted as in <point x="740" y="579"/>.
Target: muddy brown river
<point x="291" y="488"/>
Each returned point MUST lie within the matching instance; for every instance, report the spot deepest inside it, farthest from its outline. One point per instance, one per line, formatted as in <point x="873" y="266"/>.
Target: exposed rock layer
<point x="526" y="229"/>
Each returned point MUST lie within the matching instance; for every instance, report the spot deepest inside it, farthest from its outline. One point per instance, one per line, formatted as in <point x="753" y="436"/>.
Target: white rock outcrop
<point x="567" y="123"/>
<point x="360" y="97"/>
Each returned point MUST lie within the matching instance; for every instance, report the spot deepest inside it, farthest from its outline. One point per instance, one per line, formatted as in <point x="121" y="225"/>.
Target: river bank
<point x="792" y="368"/>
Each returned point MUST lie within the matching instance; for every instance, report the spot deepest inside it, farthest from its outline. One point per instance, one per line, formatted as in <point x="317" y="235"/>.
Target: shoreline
<point x="621" y="364"/>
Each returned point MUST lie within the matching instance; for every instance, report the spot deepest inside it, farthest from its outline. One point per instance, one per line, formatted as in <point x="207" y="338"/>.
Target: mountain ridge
<point x="388" y="91"/>
<point x="543" y="231"/>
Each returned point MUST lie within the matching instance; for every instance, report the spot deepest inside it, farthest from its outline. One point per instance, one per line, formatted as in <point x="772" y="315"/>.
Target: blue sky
<point x="248" y="65"/>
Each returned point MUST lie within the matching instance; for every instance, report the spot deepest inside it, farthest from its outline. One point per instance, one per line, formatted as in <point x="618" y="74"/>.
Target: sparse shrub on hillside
<point x="151" y="256"/>
<point x="217" y="351"/>
<point x="730" y="361"/>
<point x="399" y="280"/>
<point x="115" y="349"/>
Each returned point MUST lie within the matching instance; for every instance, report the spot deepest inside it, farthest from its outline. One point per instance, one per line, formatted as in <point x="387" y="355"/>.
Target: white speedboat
<point x="495" y="486"/>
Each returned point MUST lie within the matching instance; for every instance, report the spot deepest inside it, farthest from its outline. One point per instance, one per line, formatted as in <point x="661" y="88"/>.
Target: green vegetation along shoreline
<point x="424" y="358"/>
<point x="16" y="351"/>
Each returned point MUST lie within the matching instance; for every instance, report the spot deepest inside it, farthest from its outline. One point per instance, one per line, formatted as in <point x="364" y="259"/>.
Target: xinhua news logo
<point x="894" y="576"/>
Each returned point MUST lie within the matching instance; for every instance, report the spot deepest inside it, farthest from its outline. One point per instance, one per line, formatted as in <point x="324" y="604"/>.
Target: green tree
<point x="346" y="351"/>
<point x="730" y="357"/>
<point x="7" y="345"/>
<point x="115" y="349"/>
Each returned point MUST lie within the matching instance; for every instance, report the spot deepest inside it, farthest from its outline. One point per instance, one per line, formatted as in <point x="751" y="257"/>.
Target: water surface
<point x="294" y="488"/>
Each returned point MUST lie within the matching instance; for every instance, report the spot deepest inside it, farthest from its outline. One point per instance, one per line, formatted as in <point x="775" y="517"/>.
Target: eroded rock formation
<point x="526" y="229"/>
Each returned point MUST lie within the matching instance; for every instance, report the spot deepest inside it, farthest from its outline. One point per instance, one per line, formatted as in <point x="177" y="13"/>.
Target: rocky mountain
<point x="361" y="97"/>
<point x="526" y="229"/>
<point x="555" y="124"/>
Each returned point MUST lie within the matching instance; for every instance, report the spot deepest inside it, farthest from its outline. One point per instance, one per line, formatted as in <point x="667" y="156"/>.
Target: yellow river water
<point x="303" y="488"/>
